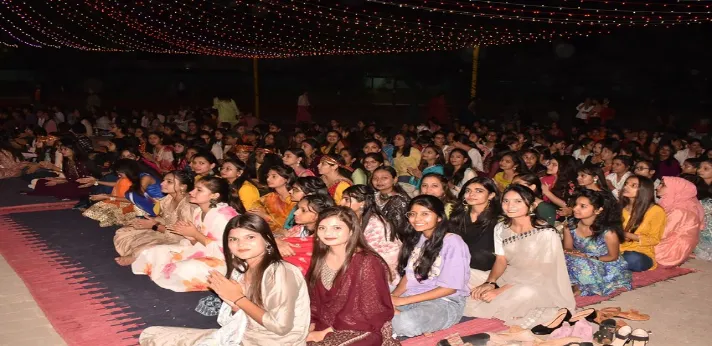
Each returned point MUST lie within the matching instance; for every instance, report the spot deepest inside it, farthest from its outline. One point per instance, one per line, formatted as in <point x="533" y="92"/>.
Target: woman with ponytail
<point x="184" y="267"/>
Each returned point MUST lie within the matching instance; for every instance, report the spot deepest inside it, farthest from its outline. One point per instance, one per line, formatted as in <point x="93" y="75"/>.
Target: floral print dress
<point x="184" y="267"/>
<point x="595" y="277"/>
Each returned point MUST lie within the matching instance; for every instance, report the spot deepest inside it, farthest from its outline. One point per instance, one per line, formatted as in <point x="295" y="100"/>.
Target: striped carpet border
<point x="82" y="311"/>
<point x="28" y="208"/>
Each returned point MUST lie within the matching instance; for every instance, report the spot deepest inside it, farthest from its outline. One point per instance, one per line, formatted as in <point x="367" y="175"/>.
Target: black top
<point x="480" y="241"/>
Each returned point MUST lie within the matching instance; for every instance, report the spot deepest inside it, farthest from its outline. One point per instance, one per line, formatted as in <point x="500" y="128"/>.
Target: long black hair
<point x="528" y="197"/>
<point x="253" y="223"/>
<point x="222" y="187"/>
<point x="431" y="248"/>
<point x="488" y="218"/>
<point x="596" y="172"/>
<point x="644" y="200"/>
<point x="610" y="217"/>
<point x="366" y="195"/>
<point x="312" y="186"/>
<point x="131" y="170"/>
<point x="457" y="176"/>
<point x="565" y="177"/>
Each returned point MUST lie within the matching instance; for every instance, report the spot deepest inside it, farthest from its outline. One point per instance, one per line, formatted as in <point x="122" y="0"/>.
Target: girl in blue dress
<point x="592" y="245"/>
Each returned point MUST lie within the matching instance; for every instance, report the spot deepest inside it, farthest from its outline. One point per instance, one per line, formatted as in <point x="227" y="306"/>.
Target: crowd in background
<point x="324" y="233"/>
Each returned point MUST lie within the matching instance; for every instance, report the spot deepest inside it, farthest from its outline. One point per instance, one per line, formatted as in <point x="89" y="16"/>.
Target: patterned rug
<point x="66" y="261"/>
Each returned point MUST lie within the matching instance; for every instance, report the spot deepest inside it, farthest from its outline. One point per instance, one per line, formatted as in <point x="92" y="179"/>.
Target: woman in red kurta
<point x="349" y="304"/>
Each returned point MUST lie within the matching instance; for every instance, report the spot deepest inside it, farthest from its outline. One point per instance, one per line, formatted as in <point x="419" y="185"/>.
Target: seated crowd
<point x="325" y="236"/>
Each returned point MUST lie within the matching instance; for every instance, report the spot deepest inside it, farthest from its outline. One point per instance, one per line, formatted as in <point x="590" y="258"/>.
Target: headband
<point x="330" y="160"/>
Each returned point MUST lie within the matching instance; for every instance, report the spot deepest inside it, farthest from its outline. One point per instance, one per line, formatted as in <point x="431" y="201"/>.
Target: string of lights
<point x="536" y="15"/>
<point x="284" y="29"/>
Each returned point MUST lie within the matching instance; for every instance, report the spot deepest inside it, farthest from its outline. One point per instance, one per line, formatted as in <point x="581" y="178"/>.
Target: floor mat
<point x="639" y="280"/>
<point x="67" y="263"/>
<point x="11" y="188"/>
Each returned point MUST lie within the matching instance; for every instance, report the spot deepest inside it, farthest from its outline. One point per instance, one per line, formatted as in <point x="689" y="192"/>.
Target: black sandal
<point x="606" y="331"/>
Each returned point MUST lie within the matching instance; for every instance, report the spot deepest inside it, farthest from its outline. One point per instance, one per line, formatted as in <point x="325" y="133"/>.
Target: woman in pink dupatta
<point x="685" y="220"/>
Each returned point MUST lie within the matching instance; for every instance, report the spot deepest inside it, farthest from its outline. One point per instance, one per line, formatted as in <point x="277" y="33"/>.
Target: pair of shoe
<point x="582" y="329"/>
<point x="627" y="336"/>
<point x="564" y="315"/>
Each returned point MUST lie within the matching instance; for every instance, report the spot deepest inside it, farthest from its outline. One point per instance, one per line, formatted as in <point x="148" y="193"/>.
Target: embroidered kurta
<point x="9" y="166"/>
<point x="130" y="241"/>
<point x="285" y="299"/>
<point x="184" y="267"/>
<point x="110" y="213"/>
<point x="377" y="235"/>
<point x="274" y="210"/>
<point x="358" y="301"/>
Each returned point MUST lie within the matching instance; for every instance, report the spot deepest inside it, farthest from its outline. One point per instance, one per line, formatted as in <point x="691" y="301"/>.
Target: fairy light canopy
<point x="292" y="28"/>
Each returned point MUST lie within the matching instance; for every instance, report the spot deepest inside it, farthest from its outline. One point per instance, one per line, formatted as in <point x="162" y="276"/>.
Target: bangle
<point x="112" y="198"/>
<point x="237" y="300"/>
<point x="595" y="257"/>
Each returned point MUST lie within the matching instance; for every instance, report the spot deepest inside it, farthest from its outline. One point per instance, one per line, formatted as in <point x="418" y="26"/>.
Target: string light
<point x="283" y="29"/>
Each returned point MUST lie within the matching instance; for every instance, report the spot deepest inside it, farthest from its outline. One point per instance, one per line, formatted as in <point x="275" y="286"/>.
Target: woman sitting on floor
<point x="376" y="229"/>
<point x="184" y="267"/>
<point x="348" y="285"/>
<point x="434" y="269"/>
<point x="115" y="209"/>
<point x="275" y="206"/>
<point x="265" y="299"/>
<point x="297" y="244"/>
<point x="75" y="165"/>
<point x="148" y="232"/>
<point x="390" y="197"/>
<point x="528" y="282"/>
<point x="592" y="245"/>
<point x="12" y="163"/>
<point x="233" y="170"/>
<point x="474" y="220"/>
<point x="643" y="223"/>
<point x="685" y="219"/>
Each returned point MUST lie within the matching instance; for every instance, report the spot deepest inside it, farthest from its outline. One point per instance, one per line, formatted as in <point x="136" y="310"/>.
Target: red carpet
<point x="639" y="280"/>
<point x="37" y="207"/>
<point x="79" y="313"/>
<point x="480" y="325"/>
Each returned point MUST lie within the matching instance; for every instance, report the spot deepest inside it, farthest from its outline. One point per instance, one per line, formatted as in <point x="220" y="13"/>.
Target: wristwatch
<point x="492" y="283"/>
<point x="96" y="183"/>
<point x="155" y="227"/>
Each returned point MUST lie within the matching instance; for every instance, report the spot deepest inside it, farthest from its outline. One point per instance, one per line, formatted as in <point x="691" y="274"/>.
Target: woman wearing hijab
<point x="685" y="220"/>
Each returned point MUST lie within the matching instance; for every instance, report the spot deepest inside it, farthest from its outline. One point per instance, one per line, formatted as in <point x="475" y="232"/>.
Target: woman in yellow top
<point x="275" y="206"/>
<point x="233" y="171"/>
<point x="203" y="164"/>
<point x="334" y="172"/>
<point x="511" y="164"/>
<point x="643" y="223"/>
<point x="227" y="110"/>
<point x="405" y="158"/>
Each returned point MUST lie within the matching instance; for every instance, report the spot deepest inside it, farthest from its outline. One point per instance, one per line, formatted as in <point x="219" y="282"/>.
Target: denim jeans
<point x="428" y="316"/>
<point x="637" y="262"/>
